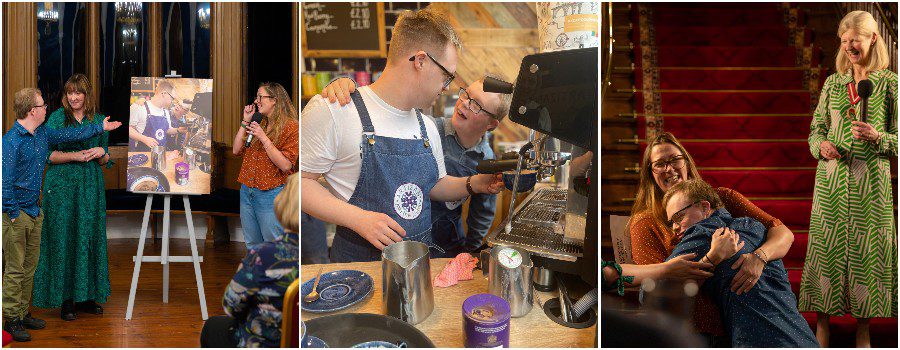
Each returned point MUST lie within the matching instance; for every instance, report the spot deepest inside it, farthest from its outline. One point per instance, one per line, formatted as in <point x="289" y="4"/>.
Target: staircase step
<point x="731" y="102"/>
<point x="793" y="213"/>
<point x="882" y="330"/>
<point x="730" y="35"/>
<point x="772" y="183"/>
<point x="796" y="256"/>
<point x="749" y="154"/>
<point x="718" y="16"/>
<point x="722" y="56"/>
<point x="713" y="127"/>
<point x="732" y="79"/>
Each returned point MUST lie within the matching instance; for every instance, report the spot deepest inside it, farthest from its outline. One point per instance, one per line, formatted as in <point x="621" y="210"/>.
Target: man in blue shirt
<point x="464" y="138"/>
<point x="25" y="152"/>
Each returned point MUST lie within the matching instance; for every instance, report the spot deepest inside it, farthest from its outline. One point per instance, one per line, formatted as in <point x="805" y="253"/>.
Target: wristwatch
<point x="469" y="186"/>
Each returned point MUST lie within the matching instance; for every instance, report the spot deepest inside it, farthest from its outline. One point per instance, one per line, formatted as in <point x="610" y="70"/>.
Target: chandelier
<point x="129" y="12"/>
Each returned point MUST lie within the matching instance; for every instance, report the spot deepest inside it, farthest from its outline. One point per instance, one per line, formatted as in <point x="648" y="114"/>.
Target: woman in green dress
<point x="73" y="264"/>
<point x="851" y="261"/>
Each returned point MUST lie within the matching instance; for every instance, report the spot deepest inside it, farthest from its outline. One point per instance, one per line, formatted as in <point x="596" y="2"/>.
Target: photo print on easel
<point x="169" y="136"/>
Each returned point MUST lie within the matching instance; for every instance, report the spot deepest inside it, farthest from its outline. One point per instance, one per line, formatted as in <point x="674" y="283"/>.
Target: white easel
<point x="165" y="259"/>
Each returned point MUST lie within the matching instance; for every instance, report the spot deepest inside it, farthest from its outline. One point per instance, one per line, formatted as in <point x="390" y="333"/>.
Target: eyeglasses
<point x="680" y="214"/>
<point x="659" y="166"/>
<point x="170" y="95"/>
<point x="40" y="106"/>
<point x="450" y="76"/>
<point x="472" y="104"/>
<point x="260" y="97"/>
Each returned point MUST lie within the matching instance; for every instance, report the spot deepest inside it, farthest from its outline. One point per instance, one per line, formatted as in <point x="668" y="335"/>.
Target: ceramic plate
<point x="313" y="342"/>
<point x="338" y="290"/>
<point x="137" y="160"/>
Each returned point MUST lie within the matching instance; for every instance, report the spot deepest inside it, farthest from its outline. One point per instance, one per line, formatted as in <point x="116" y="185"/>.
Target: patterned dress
<point x="73" y="262"/>
<point x="851" y="261"/>
<point x="255" y="296"/>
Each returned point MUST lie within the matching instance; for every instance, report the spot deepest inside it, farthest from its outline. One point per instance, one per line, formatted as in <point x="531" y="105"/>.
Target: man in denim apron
<point x="464" y="138"/>
<point x="148" y="127"/>
<point x="379" y="156"/>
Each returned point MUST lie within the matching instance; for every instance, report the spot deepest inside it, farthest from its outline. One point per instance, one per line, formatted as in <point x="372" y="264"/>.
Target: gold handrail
<point x="609" y="53"/>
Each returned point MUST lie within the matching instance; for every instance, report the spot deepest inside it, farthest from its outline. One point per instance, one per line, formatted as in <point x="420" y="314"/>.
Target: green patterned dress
<point x="851" y="259"/>
<point x="73" y="262"/>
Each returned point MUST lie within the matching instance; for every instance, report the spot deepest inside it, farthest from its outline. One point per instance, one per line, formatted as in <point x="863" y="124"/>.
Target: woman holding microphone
<point x="271" y="156"/>
<point x="851" y="262"/>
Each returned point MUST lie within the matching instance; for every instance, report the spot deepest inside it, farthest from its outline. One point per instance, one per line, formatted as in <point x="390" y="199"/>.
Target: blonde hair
<point x="287" y="205"/>
<point x="163" y="86"/>
<point x="694" y="190"/>
<point x="505" y="99"/>
<point x="426" y="29"/>
<point x="281" y="114"/>
<point x="864" y="25"/>
<point x="78" y="83"/>
<point x="24" y="101"/>
<point x="649" y="195"/>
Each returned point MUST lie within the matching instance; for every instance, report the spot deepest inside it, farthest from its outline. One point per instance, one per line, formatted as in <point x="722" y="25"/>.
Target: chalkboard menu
<point x="343" y="29"/>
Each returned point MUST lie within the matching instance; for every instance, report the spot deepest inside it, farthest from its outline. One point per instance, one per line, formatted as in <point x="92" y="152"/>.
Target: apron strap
<point x="422" y="129"/>
<point x="368" y="133"/>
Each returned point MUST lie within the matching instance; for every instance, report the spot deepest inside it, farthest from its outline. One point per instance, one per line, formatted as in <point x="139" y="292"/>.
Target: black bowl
<point x="136" y="174"/>
<point x="347" y="330"/>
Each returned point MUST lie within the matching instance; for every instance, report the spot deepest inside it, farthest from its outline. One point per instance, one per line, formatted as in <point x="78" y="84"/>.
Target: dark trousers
<point x="218" y="332"/>
<point x="314" y="249"/>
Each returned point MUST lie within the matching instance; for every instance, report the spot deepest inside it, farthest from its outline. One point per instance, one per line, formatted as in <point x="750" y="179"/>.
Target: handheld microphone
<point x="257" y="117"/>
<point x="864" y="89"/>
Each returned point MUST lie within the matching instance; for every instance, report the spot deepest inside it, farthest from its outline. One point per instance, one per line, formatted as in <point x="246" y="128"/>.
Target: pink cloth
<point x="458" y="269"/>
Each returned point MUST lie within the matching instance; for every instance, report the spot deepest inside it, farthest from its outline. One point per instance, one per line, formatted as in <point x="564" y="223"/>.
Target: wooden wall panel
<point x="20" y="56"/>
<point x="228" y="68"/>
<point x="92" y="38"/>
<point x="155" y="33"/>
<point x="295" y="55"/>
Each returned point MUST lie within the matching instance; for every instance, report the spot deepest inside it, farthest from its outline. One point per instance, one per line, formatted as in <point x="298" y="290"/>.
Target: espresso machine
<point x="555" y="95"/>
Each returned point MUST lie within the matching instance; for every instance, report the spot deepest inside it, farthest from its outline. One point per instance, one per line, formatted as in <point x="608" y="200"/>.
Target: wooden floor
<point x="154" y="324"/>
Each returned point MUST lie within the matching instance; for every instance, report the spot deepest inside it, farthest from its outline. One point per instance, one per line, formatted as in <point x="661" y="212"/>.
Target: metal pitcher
<point x="510" y="276"/>
<point x="406" y="281"/>
<point x="158" y="157"/>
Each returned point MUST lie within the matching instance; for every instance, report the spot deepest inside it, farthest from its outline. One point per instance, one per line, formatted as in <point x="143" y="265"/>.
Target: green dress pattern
<point x="851" y="259"/>
<point x="73" y="262"/>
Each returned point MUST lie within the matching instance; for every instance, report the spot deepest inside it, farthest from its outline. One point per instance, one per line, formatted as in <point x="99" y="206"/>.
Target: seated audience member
<point x="764" y="316"/>
<point x="254" y="298"/>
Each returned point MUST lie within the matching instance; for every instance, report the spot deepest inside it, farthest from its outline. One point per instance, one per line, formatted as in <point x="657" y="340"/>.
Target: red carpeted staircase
<point x="737" y="84"/>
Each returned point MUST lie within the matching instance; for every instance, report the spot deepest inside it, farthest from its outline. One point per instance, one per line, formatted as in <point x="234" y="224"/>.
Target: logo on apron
<point x="159" y="134"/>
<point x="408" y="201"/>
<point x="453" y="205"/>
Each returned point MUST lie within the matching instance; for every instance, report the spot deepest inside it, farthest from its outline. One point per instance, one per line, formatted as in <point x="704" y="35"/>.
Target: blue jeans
<point x="314" y="240"/>
<point x="258" y="215"/>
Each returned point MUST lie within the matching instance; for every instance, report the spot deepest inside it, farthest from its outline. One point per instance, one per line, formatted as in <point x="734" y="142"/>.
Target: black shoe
<point x="16" y="330"/>
<point x="33" y="323"/>
<point x="67" y="311"/>
<point x="90" y="306"/>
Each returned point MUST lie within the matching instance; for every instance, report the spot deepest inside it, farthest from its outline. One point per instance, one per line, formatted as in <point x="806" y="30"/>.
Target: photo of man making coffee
<point x="420" y="168"/>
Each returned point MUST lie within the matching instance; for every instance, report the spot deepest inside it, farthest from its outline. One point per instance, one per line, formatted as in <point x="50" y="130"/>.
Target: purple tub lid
<point x="486" y="308"/>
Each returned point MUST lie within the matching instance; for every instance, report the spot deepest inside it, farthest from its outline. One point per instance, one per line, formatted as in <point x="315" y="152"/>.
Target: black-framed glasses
<point x="260" y="97"/>
<point x="680" y="214"/>
<point x="40" y="106"/>
<point x="676" y="162"/>
<point x="472" y="104"/>
<point x="170" y="95"/>
<point x="450" y="76"/>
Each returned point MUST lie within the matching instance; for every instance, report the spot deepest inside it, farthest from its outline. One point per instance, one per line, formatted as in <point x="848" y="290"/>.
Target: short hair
<point x="505" y="99"/>
<point x="865" y="26"/>
<point x="164" y="86"/>
<point x="695" y="190"/>
<point x="426" y="29"/>
<point x="287" y="205"/>
<point x="24" y="101"/>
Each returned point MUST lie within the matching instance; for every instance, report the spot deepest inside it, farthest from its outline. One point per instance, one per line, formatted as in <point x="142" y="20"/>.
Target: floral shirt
<point x="255" y="296"/>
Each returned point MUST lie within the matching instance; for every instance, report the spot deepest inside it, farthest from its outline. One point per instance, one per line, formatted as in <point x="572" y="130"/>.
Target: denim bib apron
<point x="447" y="227"/>
<point x="156" y="128"/>
<point x="395" y="178"/>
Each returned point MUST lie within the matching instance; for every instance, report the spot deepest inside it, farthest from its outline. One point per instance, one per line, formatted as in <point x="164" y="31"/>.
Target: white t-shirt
<point x="137" y="115"/>
<point x="331" y="136"/>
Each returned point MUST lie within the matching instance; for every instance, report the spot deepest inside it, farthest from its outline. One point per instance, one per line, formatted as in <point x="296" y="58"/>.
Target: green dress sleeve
<point x="887" y="143"/>
<point x="821" y="122"/>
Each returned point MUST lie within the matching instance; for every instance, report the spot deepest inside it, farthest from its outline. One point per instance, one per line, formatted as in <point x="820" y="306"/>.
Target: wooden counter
<point x="445" y="326"/>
